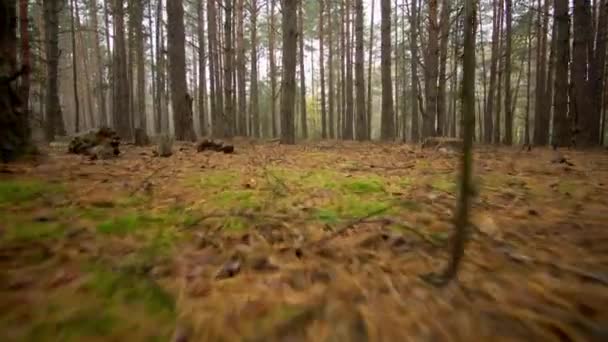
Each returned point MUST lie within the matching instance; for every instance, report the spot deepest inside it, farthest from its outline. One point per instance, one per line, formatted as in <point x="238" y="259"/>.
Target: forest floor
<point x="315" y="242"/>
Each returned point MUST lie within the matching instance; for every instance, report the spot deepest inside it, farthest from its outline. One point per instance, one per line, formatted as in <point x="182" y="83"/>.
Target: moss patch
<point x="17" y="192"/>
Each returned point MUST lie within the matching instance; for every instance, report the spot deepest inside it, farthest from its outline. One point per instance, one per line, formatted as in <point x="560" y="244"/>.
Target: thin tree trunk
<point x="414" y="23"/>
<point x="228" y="71"/>
<point x="202" y="78"/>
<point x="74" y="67"/>
<point x="322" y="68"/>
<point x="560" y="100"/>
<point x="349" y="113"/>
<point x="241" y="71"/>
<point x="489" y="110"/>
<point x="24" y="90"/>
<point x="444" y="25"/>
<point x="103" y="115"/>
<point x="141" y="67"/>
<point x="369" y="73"/>
<point x="330" y="63"/>
<point x="360" y="82"/>
<point x="253" y="98"/>
<point x="273" y="69"/>
<point x="529" y="81"/>
<point x="288" y="81"/>
<point x="303" y="120"/>
<point x="430" y="72"/>
<point x="508" y="97"/>
<point x="497" y="118"/>
<point x="540" y="118"/>
<point x="388" y="127"/>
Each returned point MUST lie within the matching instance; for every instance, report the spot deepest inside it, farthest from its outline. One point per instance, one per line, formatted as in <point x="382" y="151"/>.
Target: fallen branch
<point x="145" y="180"/>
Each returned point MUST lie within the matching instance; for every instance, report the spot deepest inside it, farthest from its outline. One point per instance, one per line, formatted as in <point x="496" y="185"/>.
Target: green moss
<point x="217" y="179"/>
<point x="123" y="288"/>
<point x="234" y="224"/>
<point x="81" y="323"/>
<point x="30" y="231"/>
<point x="444" y="184"/>
<point x="17" y="192"/>
<point x="363" y="186"/>
<point x="127" y="224"/>
<point x="326" y="215"/>
<point x="236" y="199"/>
<point x="406" y="182"/>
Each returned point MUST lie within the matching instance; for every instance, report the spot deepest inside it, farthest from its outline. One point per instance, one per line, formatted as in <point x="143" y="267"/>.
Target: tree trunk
<point x="592" y="135"/>
<point x="273" y="69"/>
<point x="360" y="82"/>
<point x="508" y="97"/>
<point x="349" y="113"/>
<point x="461" y="221"/>
<point x="414" y="23"/>
<point x="489" y="110"/>
<point x="138" y="24"/>
<point x="303" y="120"/>
<point x="388" y="126"/>
<point x="288" y="81"/>
<point x="529" y="81"/>
<point x="369" y="73"/>
<point x="14" y="125"/>
<point x="24" y="91"/>
<point x="501" y="33"/>
<point x="120" y="102"/>
<point x="342" y="81"/>
<point x="322" y="70"/>
<point x="253" y="97"/>
<point x="228" y="71"/>
<point x="74" y="66"/>
<point x="560" y="100"/>
<point x="241" y="71"/>
<point x="54" y="115"/>
<point x="430" y="72"/>
<point x="103" y="115"/>
<point x="202" y="78"/>
<point x="181" y="101"/>
<point x="541" y="123"/>
<point x="330" y="62"/>
<point x="443" y="60"/>
<point x="217" y="100"/>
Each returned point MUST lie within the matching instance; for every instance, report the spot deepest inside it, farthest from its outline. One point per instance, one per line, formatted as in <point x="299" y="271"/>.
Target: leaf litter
<point x="314" y="242"/>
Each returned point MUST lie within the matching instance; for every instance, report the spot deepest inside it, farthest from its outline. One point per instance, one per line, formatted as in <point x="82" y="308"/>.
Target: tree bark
<point x="228" y="71"/>
<point x="489" y="110"/>
<point x="388" y="126"/>
<point x="349" y="113"/>
<point x="181" y="101"/>
<point x="54" y="115"/>
<point x="138" y="24"/>
<point x="101" y="98"/>
<point x="24" y="91"/>
<point x="414" y="24"/>
<point x="253" y="97"/>
<point x="241" y="71"/>
<point x="443" y="59"/>
<point x="288" y="81"/>
<point x="74" y="66"/>
<point x="593" y="136"/>
<point x="430" y="72"/>
<point x="560" y="100"/>
<point x="330" y="62"/>
<point x="322" y="69"/>
<point x="508" y="97"/>
<point x="541" y="125"/>
<point x="369" y="72"/>
<point x="360" y="82"/>
<point x="303" y="120"/>
<point x="202" y="78"/>
<point x="14" y="125"/>
<point x="273" y="69"/>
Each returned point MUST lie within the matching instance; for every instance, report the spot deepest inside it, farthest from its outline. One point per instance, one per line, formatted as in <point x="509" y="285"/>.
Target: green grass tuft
<point x="123" y="288"/>
<point x="17" y="192"/>
<point x="364" y="186"/>
<point x="127" y="224"/>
